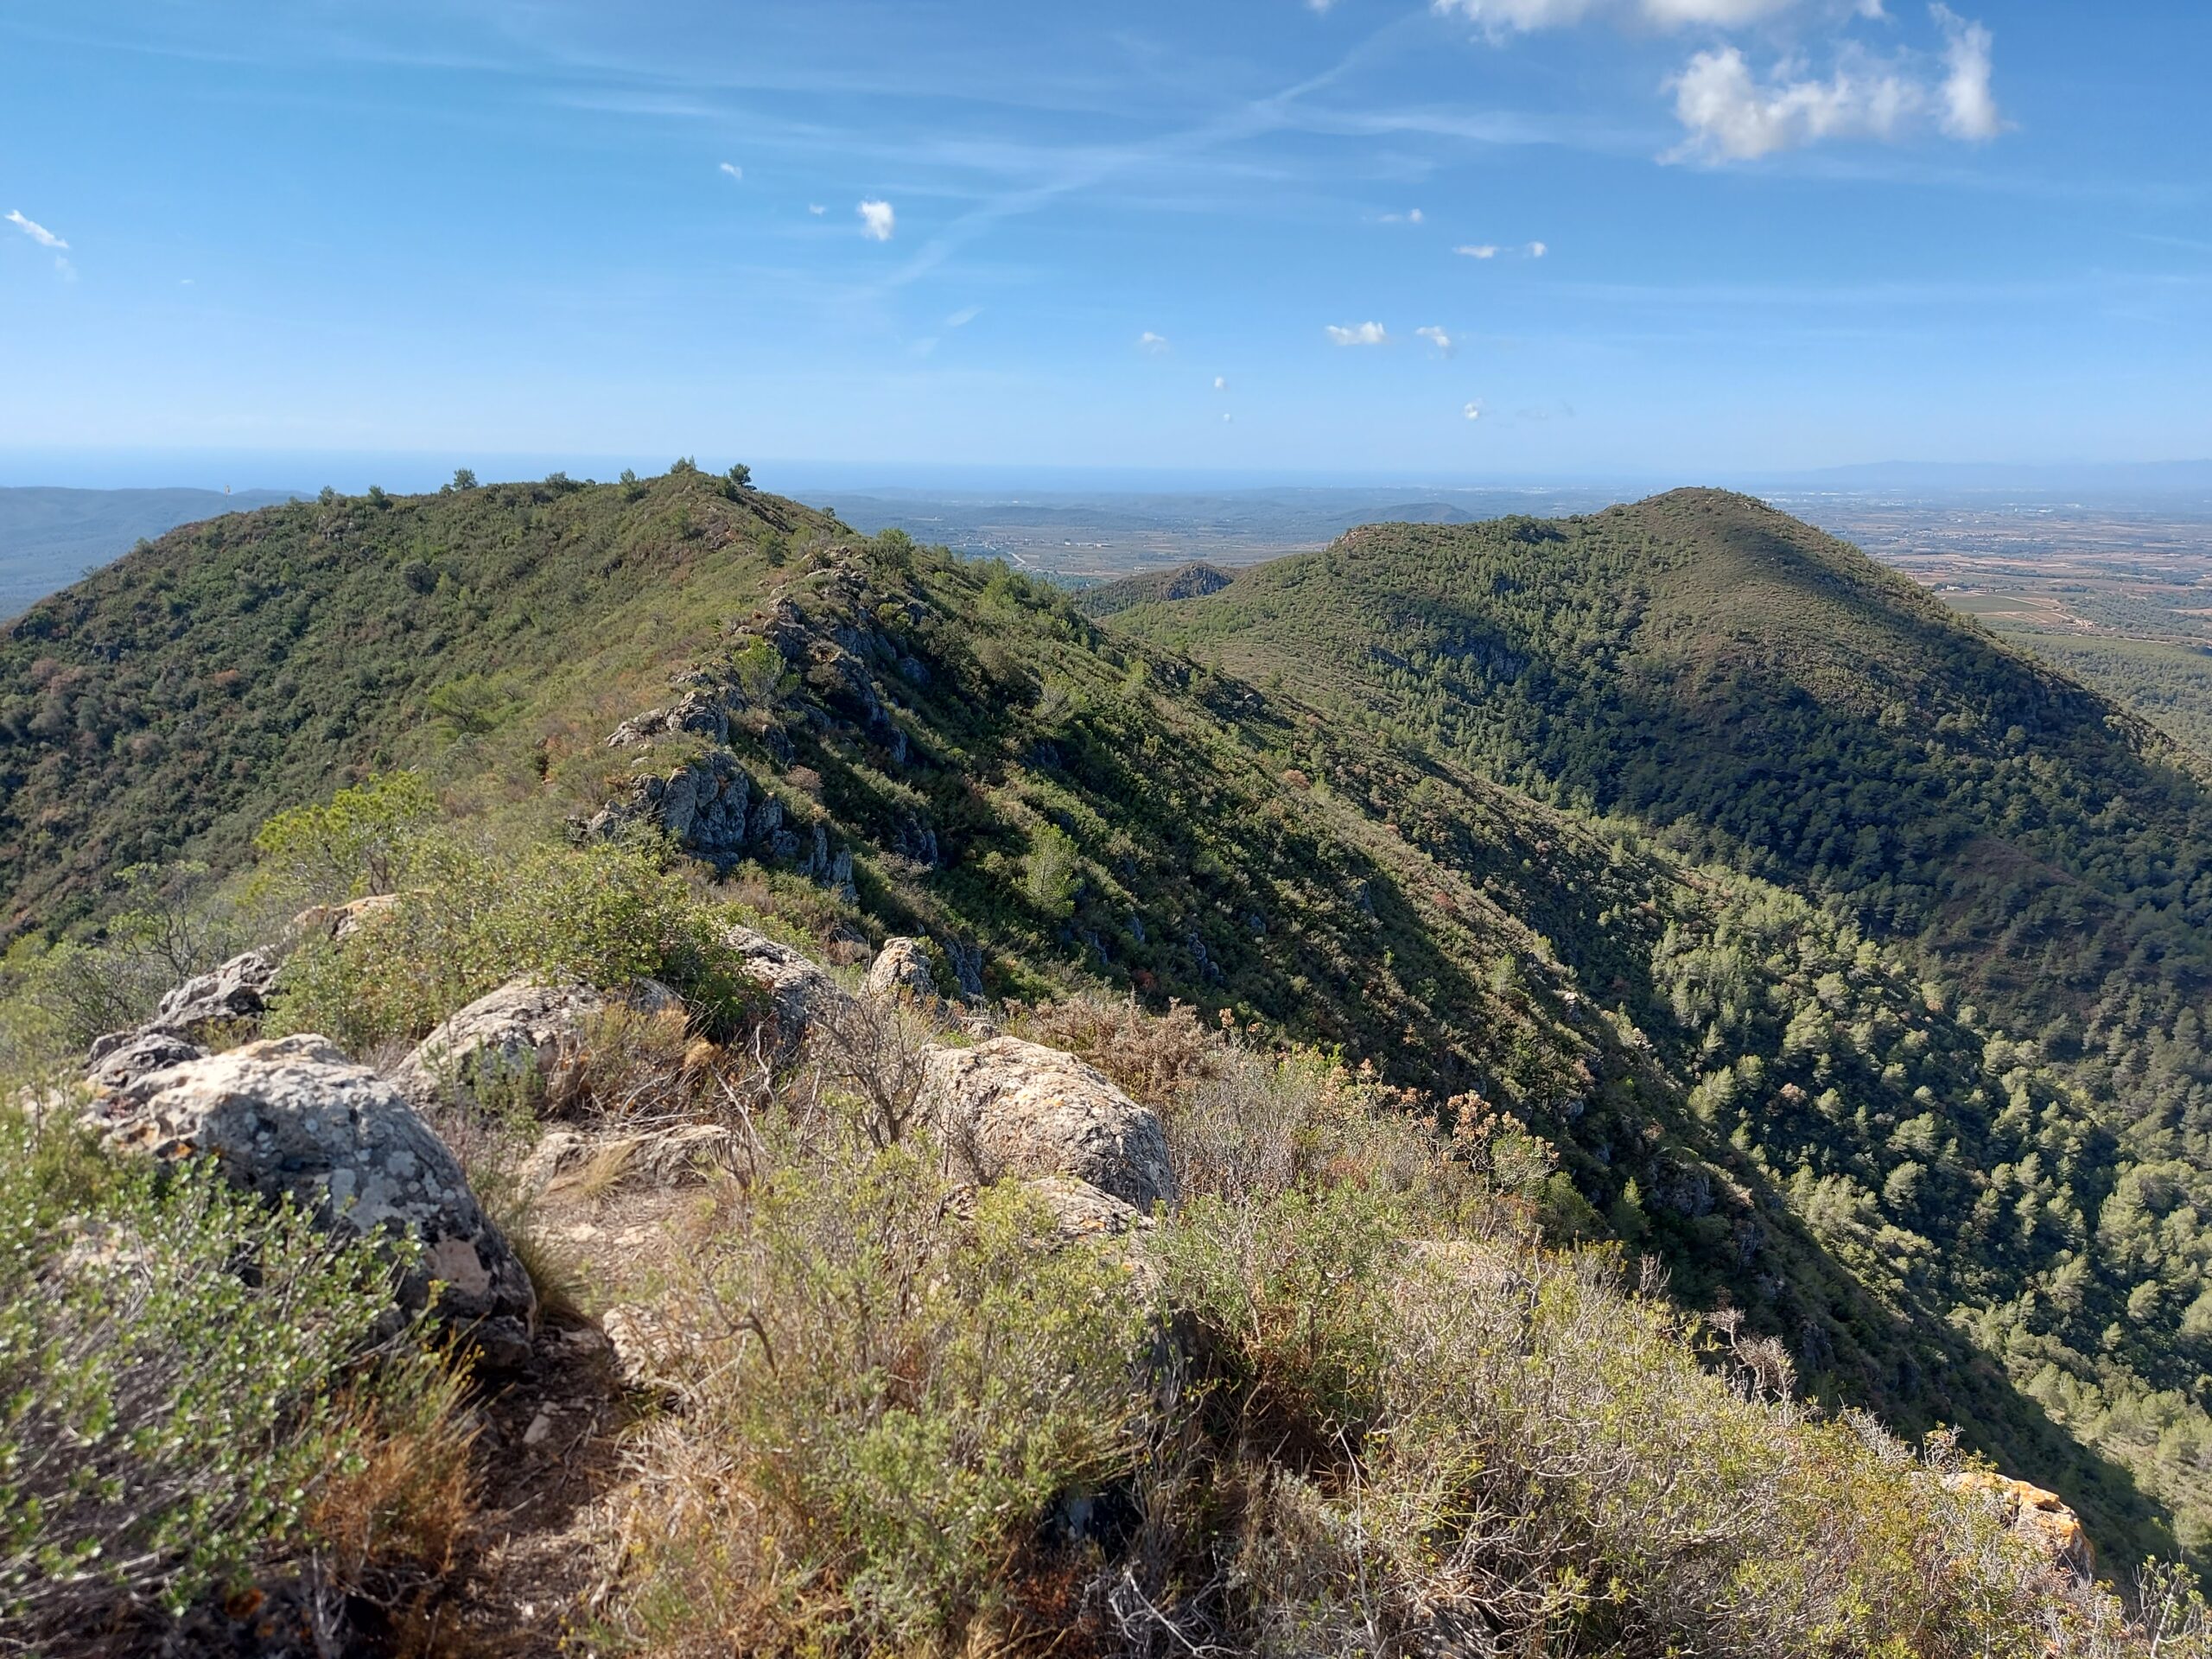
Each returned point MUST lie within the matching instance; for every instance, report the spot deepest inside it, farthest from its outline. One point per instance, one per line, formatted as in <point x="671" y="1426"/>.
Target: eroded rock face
<point x="127" y="1056"/>
<point x="801" y="990"/>
<point x="338" y="923"/>
<point x="902" y="968"/>
<point x="524" y="1039"/>
<point x="295" y="1119"/>
<point x="2040" y="1517"/>
<point x="1009" y="1108"/>
<point x="239" y="989"/>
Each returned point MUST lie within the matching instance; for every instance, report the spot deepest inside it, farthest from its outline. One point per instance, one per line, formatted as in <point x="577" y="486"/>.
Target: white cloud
<point x="962" y="317"/>
<point x="1501" y="17"/>
<point x="1358" y="333"/>
<point x="1412" y="216"/>
<point x="1474" y="410"/>
<point x="36" y="231"/>
<point x="815" y="208"/>
<point x="1436" y="337"/>
<point x="1673" y="14"/>
<point x="1151" y="342"/>
<point x="732" y="169"/>
<point x="1480" y="251"/>
<point x="1538" y="250"/>
<point x="1969" y="105"/>
<point x="1228" y="418"/>
<point x="1730" y="114"/>
<point x="1221" y="383"/>
<point x="877" y="221"/>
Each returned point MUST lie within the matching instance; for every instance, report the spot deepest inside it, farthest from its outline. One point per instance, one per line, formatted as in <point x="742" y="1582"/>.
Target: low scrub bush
<point x="886" y="1397"/>
<point x="188" y="1392"/>
<point x="472" y="916"/>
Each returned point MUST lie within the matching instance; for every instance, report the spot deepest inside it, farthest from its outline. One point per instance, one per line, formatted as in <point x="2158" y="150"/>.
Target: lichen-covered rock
<point x="1007" y="1107"/>
<point x="525" y="1039"/>
<point x="126" y="1056"/>
<point x="902" y="968"/>
<point x="295" y="1119"/>
<point x="2040" y="1517"/>
<point x="238" y="990"/>
<point x="338" y="923"/>
<point x="800" y="990"/>
<point x="657" y="1159"/>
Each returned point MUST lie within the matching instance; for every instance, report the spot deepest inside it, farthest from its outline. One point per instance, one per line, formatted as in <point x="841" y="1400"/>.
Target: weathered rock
<point x="238" y="990"/>
<point x="659" y="1158"/>
<point x="902" y="968"/>
<point x="525" y="1038"/>
<point x="801" y="991"/>
<point x="2040" y="1518"/>
<point x="1007" y="1107"/>
<point x="338" y="923"/>
<point x="1082" y="1214"/>
<point x="295" y="1119"/>
<point x="127" y="1056"/>
<point x="649" y="1349"/>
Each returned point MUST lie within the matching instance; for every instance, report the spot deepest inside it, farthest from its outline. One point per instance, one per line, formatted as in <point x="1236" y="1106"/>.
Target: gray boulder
<point x="902" y="968"/>
<point x="295" y="1119"/>
<point x="238" y="990"/>
<point x="1009" y="1108"/>
<point x="526" y="1038"/>
<point x="800" y="991"/>
<point x="127" y="1056"/>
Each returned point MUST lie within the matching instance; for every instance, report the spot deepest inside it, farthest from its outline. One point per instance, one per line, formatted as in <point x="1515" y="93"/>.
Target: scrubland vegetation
<point x="1607" y="1210"/>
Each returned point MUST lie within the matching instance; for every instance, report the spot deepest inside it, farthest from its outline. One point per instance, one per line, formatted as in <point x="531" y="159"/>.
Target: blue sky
<point x="1678" y="238"/>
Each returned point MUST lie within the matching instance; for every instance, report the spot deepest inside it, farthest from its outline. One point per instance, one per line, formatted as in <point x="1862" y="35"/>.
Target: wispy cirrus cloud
<point x="1156" y="345"/>
<point x="732" y="169"/>
<point x="1442" y="340"/>
<point x="36" y="231"/>
<point x="1357" y="334"/>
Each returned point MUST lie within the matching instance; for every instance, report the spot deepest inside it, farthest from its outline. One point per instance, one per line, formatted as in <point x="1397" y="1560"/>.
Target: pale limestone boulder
<point x="526" y="1038"/>
<point x="295" y="1119"/>
<point x="1010" y="1108"/>
<point x="902" y="968"/>
<point x="800" y="990"/>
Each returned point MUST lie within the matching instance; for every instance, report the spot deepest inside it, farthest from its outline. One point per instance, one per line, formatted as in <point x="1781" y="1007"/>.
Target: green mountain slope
<point x="1318" y="797"/>
<point x="49" y="538"/>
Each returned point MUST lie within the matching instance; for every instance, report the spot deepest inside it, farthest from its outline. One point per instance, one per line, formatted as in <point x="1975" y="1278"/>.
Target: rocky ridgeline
<point x="295" y="1119"/>
<point x="829" y="670"/>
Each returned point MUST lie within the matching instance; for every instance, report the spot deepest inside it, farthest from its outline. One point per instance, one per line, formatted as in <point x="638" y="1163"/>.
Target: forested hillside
<point x="1845" y="962"/>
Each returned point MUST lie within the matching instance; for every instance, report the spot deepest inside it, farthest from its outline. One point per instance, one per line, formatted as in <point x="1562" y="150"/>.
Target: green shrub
<point x="473" y="916"/>
<point x="183" y="1388"/>
<point x="885" y="1401"/>
<point x="357" y="843"/>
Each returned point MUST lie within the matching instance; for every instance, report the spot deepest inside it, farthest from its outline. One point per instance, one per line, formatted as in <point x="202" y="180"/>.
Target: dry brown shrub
<point x="397" y="1512"/>
<point x="1150" y="1057"/>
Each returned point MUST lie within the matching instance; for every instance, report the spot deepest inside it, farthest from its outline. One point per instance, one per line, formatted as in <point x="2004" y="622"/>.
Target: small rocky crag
<point x="1010" y="1108"/>
<point x="526" y="1038"/>
<point x="295" y="1119"/>
<point x="2040" y="1517"/>
<point x="902" y="968"/>
<point x="801" y="993"/>
<point x="224" y="1002"/>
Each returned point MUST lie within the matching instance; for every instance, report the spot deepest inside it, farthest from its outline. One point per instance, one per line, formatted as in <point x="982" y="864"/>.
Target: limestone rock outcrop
<point x="238" y="990"/>
<point x="1010" y="1108"/>
<point x="800" y="991"/>
<point x="294" y="1118"/>
<point x="902" y="968"/>
<point x="526" y="1036"/>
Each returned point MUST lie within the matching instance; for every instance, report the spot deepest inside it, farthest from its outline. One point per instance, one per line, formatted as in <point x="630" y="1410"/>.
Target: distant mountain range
<point x="49" y="538"/>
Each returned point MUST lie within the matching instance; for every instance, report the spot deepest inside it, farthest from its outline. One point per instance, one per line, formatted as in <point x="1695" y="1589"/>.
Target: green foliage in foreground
<point x="183" y="1380"/>
<point x="472" y="913"/>
<point x="1371" y="1417"/>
